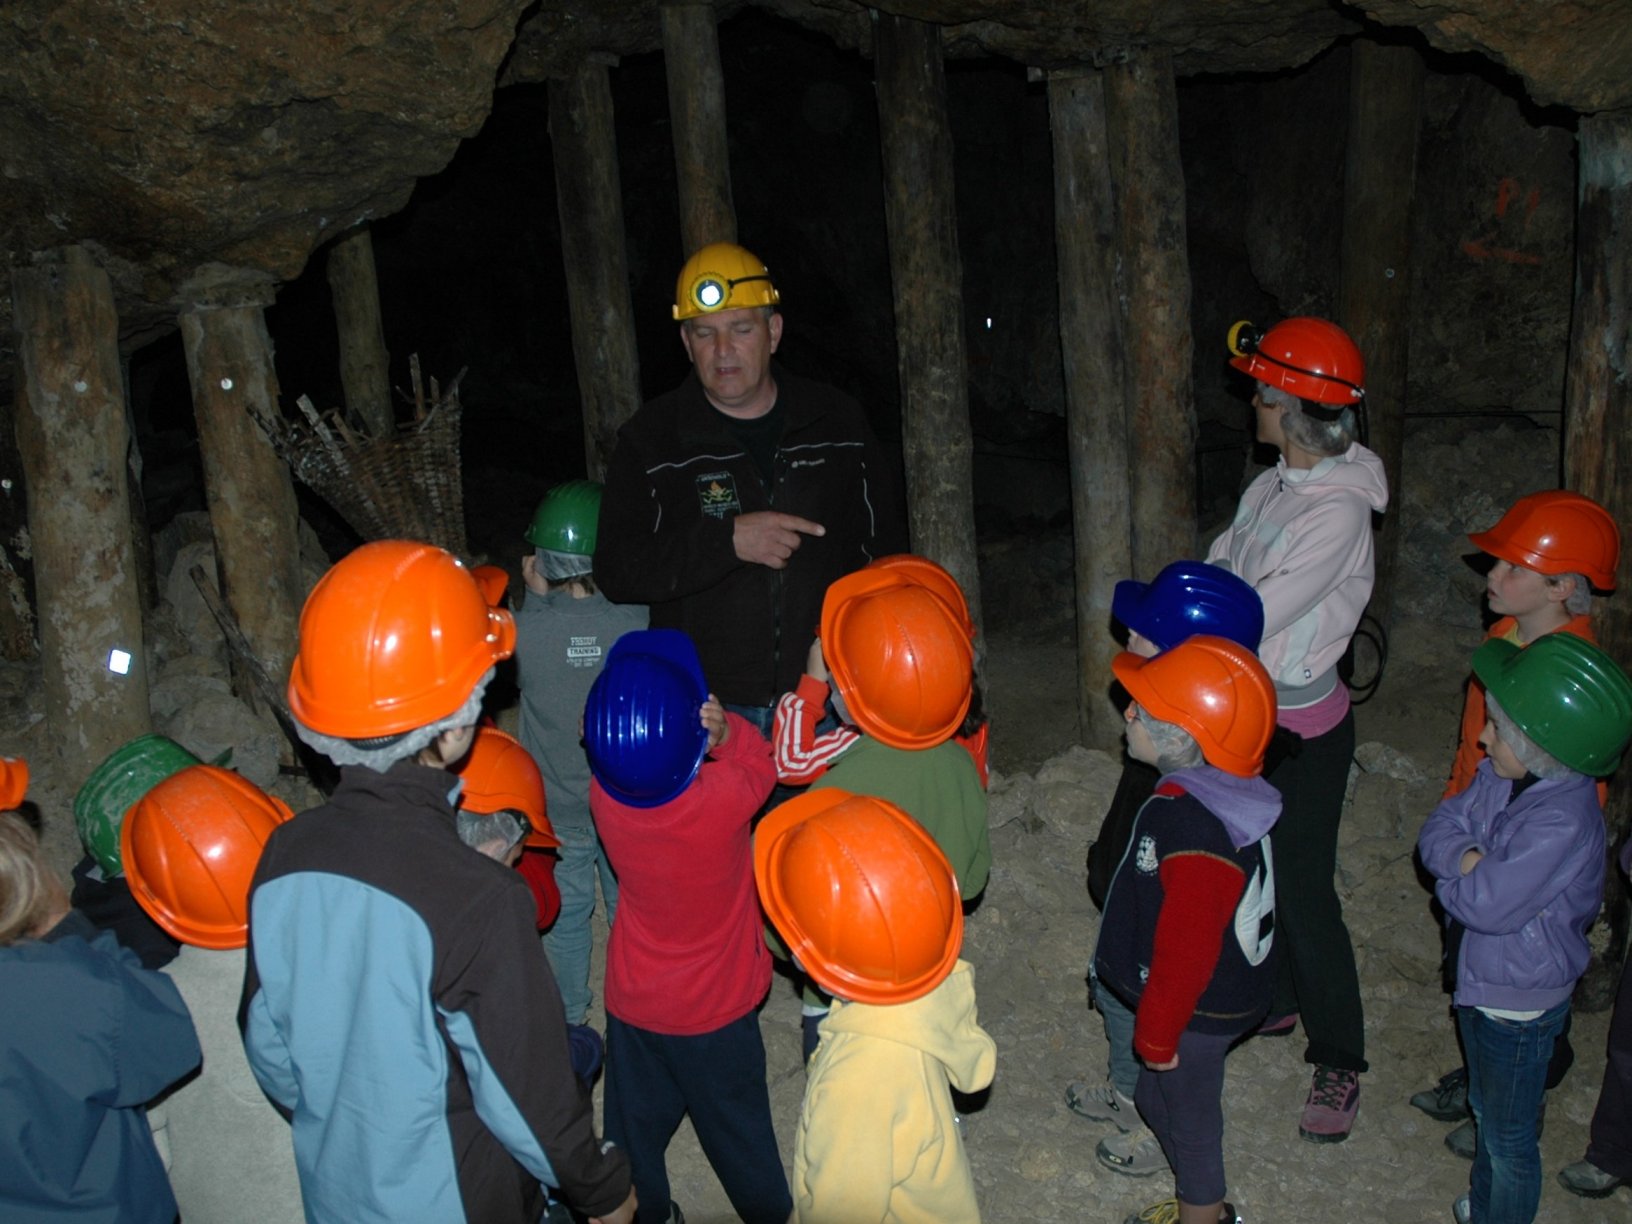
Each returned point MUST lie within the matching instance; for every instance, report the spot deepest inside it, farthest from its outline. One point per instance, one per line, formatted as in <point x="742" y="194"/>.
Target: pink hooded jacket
<point x="1302" y="538"/>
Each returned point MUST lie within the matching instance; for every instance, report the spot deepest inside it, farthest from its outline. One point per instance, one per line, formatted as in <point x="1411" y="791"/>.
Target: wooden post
<point x="1598" y="437"/>
<point x="590" y="201"/>
<point x="73" y="438"/>
<point x="1142" y="120"/>
<point x="926" y="271"/>
<point x="702" y="163"/>
<point x="1095" y="409"/>
<point x="364" y="363"/>
<point x="247" y="487"/>
<point x="1379" y="185"/>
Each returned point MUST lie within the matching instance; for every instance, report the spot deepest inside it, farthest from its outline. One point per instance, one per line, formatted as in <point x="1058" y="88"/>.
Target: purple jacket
<point x="1529" y="901"/>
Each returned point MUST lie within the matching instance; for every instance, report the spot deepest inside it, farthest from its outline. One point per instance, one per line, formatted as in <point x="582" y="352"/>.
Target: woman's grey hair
<point x="1176" y="748"/>
<point x="1531" y="754"/>
<point x="1579" y="601"/>
<point x="1311" y="434"/>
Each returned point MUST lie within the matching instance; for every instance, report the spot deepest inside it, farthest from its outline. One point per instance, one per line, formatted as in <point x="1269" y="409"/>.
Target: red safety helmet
<point x="395" y="636"/>
<point x="899" y="656"/>
<point x="501" y="776"/>
<point x="1557" y="532"/>
<point x="190" y="847"/>
<point x="927" y="573"/>
<point x="1215" y="689"/>
<point x="861" y="893"/>
<point x="1311" y="358"/>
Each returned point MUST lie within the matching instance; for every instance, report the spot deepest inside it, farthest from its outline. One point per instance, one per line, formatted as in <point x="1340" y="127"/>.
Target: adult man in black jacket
<point x="734" y="500"/>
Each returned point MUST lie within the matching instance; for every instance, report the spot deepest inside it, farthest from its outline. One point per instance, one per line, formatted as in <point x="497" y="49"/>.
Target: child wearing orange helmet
<point x="189" y="847"/>
<point x="802" y="755"/>
<point x="1189" y="928"/>
<point x="869" y="906"/>
<point x="87" y="1038"/>
<point x="395" y="1001"/>
<point x="1551" y="550"/>
<point x="902" y="666"/>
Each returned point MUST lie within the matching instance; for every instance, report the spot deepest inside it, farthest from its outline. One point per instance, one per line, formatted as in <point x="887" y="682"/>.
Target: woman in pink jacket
<point x="1302" y="538"/>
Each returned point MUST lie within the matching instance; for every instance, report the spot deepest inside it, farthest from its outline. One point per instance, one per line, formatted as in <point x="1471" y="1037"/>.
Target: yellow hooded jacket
<point x="877" y="1137"/>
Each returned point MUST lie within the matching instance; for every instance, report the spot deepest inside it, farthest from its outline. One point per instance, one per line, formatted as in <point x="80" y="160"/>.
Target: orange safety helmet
<point x="1312" y="358"/>
<point x="1215" y="689"/>
<point x="190" y="847"/>
<point x="861" y="893"/>
<point x="1557" y="532"/>
<point x="501" y="776"/>
<point x="13" y="783"/>
<point x="927" y="573"/>
<point x="492" y="581"/>
<point x="899" y="656"/>
<point x="394" y="637"/>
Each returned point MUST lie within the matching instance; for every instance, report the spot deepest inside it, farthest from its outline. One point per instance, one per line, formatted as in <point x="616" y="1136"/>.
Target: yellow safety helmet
<point x="722" y="276"/>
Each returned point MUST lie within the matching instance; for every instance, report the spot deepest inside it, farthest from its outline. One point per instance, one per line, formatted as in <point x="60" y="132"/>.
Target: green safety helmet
<point x="565" y="520"/>
<point x="1570" y="698"/>
<point x="114" y="786"/>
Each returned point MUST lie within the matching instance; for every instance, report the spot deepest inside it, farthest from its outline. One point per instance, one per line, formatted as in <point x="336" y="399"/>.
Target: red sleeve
<point x="801" y="755"/>
<point x="1200" y="893"/>
<point x="537" y="868"/>
<point x="738" y="774"/>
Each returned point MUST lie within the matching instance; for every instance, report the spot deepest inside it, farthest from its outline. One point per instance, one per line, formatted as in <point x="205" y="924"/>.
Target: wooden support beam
<point x="365" y="366"/>
<point x="589" y="196"/>
<point x="702" y="162"/>
<point x="1142" y="120"/>
<point x="1095" y="406"/>
<point x="247" y="487"/>
<point x="1598" y="440"/>
<point x="1379" y="185"/>
<point x="926" y="271"/>
<point x="73" y="438"/>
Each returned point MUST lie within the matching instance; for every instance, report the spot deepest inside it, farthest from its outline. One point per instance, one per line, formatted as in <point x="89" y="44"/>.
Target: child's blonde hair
<point x="27" y="889"/>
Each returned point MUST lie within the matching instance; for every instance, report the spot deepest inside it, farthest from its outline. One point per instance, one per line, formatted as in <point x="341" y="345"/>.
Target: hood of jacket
<point x="941" y="1024"/>
<point x="1356" y="470"/>
<point x="1247" y="807"/>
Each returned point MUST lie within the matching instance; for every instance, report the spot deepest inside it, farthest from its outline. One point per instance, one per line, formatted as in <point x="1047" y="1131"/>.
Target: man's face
<point x="731" y="350"/>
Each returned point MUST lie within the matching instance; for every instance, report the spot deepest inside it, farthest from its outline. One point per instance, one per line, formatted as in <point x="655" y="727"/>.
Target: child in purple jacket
<point x="1518" y="864"/>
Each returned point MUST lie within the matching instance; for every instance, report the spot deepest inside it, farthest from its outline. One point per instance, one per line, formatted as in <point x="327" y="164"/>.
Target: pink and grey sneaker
<point x="1334" y="1099"/>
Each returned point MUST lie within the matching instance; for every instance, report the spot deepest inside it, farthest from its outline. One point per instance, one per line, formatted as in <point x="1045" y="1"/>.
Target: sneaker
<point x="1463" y="1140"/>
<point x="1103" y="1103"/>
<point x="1588" y="1180"/>
<point x="1137" y="1153"/>
<point x="1334" y="1099"/>
<point x="1461" y="1212"/>
<point x="1167" y="1212"/>
<point x="1446" y="1101"/>
<point x="1278" y="1026"/>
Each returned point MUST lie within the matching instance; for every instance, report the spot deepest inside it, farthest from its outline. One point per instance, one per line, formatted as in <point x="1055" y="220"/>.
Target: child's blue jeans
<point x="1507" y="1071"/>
<point x="1122" y="1062"/>
<point x="569" y="942"/>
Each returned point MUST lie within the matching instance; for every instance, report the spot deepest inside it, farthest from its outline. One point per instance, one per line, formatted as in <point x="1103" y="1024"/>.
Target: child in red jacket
<point x="686" y="964"/>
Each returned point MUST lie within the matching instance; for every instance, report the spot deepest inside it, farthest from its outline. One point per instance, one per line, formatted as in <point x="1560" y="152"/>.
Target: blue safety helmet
<point x="1187" y="598"/>
<point x="642" y="731"/>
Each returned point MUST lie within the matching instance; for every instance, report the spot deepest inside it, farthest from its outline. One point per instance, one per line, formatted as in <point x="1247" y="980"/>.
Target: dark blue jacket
<point x="87" y="1038"/>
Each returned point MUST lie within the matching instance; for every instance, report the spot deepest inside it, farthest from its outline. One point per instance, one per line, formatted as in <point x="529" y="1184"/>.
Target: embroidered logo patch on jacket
<point x="1145" y="860"/>
<point x="717" y="494"/>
